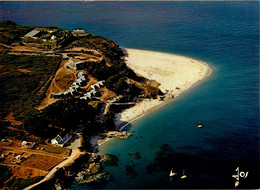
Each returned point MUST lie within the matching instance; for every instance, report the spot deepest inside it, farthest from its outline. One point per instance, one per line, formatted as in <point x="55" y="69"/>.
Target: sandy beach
<point x="175" y="74"/>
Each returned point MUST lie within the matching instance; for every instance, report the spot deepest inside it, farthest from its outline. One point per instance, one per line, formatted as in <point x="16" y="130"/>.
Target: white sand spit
<point x="175" y="74"/>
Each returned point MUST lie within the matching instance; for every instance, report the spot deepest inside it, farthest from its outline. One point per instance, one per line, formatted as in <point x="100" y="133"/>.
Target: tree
<point x="35" y="122"/>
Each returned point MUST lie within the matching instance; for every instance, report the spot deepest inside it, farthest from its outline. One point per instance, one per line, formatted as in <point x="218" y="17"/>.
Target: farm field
<point x="42" y="162"/>
<point x="30" y="160"/>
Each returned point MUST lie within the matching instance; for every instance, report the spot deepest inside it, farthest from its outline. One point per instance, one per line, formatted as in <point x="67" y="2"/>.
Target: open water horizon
<point x="223" y="34"/>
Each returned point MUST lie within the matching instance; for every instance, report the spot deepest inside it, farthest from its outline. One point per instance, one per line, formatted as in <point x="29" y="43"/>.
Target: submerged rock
<point x="163" y="159"/>
<point x="94" y="179"/>
<point x="136" y="155"/>
<point x="166" y="158"/>
<point x="130" y="171"/>
<point x="99" y="177"/>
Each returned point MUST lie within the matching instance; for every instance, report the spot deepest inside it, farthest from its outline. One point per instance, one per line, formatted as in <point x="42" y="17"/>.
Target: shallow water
<point x="225" y="35"/>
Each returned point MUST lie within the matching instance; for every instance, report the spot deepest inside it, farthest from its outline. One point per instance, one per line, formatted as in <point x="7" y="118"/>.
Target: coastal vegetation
<point x="65" y="113"/>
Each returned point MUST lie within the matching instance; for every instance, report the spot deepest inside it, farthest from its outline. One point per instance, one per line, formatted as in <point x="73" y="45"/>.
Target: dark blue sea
<point x="223" y="34"/>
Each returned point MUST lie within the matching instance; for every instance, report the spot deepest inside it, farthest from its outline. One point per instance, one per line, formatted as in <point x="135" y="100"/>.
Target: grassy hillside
<point x="25" y="79"/>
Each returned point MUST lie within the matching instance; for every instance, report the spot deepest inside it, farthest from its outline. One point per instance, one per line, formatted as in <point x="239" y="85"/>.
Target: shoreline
<point x="175" y="73"/>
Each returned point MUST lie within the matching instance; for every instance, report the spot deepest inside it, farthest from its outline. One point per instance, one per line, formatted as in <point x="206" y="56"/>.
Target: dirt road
<point x="73" y="155"/>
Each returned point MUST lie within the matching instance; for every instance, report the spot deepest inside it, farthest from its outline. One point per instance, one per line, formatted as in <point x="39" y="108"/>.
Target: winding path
<point x="5" y="45"/>
<point x="61" y="70"/>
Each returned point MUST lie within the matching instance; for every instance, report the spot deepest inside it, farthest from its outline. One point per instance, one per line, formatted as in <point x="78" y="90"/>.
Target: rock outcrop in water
<point x="136" y="155"/>
<point x="92" y="173"/>
<point x="119" y="135"/>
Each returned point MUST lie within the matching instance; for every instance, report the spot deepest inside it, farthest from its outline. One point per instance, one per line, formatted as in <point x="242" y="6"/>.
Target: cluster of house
<point x="61" y="139"/>
<point x="89" y="95"/>
<point x="81" y="81"/>
<point x="18" y="158"/>
<point x="97" y="85"/>
<point x="28" y="144"/>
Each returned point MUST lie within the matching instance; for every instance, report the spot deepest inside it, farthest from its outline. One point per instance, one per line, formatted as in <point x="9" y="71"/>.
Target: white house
<point x="88" y="95"/>
<point x="18" y="157"/>
<point x="24" y="143"/>
<point x="79" y="81"/>
<point x="72" y="88"/>
<point x="67" y="94"/>
<point x="93" y="92"/>
<point x="54" y="141"/>
<point x="61" y="139"/>
<point x="101" y="83"/>
<point x="98" y="84"/>
<point x="32" y="34"/>
<point x="75" y="84"/>
<point x="93" y="86"/>
<point x="78" y="31"/>
<point x="81" y="74"/>
<point x="53" y="37"/>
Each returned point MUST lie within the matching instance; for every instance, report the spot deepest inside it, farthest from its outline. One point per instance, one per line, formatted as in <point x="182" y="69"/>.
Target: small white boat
<point x="183" y="175"/>
<point x="236" y="183"/>
<point x="172" y="173"/>
<point x="199" y="125"/>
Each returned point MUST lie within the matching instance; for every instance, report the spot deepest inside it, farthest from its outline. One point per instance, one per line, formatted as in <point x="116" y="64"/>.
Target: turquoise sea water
<point x="224" y="34"/>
